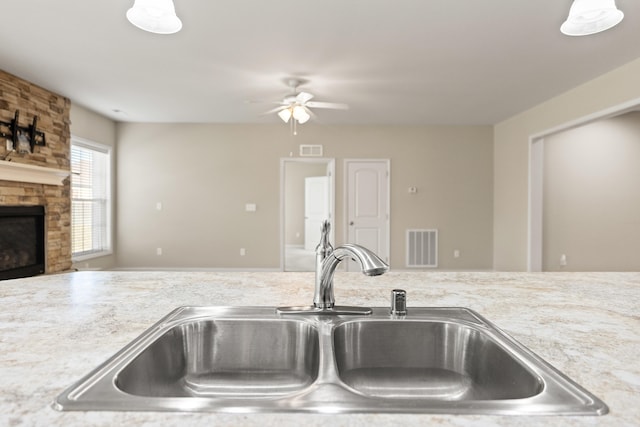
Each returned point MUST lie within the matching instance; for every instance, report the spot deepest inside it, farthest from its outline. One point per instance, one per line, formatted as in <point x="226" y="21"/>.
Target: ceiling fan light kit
<point x="298" y="113"/>
<point x="590" y="17"/>
<point x="155" y="16"/>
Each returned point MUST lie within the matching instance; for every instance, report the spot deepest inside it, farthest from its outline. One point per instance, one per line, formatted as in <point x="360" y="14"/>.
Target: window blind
<point x="89" y="198"/>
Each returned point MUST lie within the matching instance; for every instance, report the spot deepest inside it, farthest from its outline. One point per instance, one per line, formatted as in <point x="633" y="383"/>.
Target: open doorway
<point x="581" y="189"/>
<point x="307" y="198"/>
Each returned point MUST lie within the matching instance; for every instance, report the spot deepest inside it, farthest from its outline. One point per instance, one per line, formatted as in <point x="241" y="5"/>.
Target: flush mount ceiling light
<point x="590" y="17"/>
<point x="155" y="16"/>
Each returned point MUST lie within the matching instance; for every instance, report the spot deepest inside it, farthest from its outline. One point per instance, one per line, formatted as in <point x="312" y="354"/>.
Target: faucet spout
<point x="370" y="264"/>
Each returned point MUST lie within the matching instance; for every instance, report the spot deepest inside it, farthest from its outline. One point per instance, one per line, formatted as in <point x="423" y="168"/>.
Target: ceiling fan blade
<point x="332" y="105"/>
<point x="275" y="110"/>
<point x="261" y="101"/>
<point x="303" y="97"/>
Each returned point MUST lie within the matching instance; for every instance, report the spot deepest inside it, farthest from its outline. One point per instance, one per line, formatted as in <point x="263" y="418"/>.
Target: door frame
<point x="387" y="201"/>
<point x="331" y="168"/>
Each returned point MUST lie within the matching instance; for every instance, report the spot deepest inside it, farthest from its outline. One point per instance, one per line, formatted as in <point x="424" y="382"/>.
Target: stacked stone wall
<point x="52" y="111"/>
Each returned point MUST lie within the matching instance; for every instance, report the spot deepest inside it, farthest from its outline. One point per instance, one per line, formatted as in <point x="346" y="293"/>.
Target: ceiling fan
<point x="296" y="106"/>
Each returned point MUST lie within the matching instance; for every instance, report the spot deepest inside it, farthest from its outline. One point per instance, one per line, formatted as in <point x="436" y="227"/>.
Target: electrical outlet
<point x="456" y="253"/>
<point x="243" y="252"/>
<point x="158" y="251"/>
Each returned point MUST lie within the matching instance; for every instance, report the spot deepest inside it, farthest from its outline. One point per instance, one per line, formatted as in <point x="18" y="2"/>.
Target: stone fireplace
<point x="39" y="178"/>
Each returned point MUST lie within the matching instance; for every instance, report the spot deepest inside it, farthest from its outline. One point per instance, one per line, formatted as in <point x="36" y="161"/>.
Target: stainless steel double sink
<point x="252" y="359"/>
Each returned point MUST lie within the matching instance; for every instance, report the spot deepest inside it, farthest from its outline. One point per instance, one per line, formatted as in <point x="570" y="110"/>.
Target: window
<point x="90" y="199"/>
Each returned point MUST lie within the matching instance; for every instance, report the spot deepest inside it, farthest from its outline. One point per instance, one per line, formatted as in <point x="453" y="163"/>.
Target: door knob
<point x="351" y="223"/>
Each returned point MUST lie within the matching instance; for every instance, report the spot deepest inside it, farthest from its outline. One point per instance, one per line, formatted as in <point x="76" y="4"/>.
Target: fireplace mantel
<point x="20" y="172"/>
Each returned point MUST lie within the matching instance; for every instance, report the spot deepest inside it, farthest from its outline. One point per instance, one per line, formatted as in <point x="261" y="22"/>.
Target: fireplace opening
<point x="22" y="235"/>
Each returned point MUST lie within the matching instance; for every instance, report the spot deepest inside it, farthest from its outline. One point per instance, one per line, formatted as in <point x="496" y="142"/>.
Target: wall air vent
<point x="422" y="248"/>
<point x="310" y="150"/>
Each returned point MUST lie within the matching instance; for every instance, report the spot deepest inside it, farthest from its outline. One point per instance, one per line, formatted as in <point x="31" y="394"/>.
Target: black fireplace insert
<point x="22" y="241"/>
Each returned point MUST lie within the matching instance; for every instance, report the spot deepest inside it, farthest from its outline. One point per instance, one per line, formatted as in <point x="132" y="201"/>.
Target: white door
<point x="368" y="206"/>
<point x="316" y="209"/>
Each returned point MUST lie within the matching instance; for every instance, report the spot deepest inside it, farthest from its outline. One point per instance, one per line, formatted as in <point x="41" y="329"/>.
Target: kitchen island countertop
<point x="54" y="329"/>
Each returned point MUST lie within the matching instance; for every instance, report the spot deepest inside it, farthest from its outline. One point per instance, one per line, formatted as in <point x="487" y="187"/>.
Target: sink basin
<point x="252" y="359"/>
<point x="241" y="358"/>
<point x="429" y="360"/>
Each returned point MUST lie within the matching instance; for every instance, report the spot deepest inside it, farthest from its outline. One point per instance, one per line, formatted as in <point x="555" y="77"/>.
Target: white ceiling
<point x="392" y="61"/>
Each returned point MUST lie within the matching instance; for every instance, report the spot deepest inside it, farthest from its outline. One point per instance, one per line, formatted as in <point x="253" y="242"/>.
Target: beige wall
<point x="592" y="196"/>
<point x="511" y="154"/>
<point x="204" y="174"/>
<point x="94" y="127"/>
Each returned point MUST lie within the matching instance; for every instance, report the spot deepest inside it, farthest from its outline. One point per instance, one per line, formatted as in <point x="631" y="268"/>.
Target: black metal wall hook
<point x="30" y="132"/>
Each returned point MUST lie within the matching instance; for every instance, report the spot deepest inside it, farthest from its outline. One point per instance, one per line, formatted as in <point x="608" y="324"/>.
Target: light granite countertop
<point x="55" y="329"/>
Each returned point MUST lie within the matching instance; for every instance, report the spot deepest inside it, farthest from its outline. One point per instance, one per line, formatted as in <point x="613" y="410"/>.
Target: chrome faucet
<point x="327" y="260"/>
<point x="370" y="264"/>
